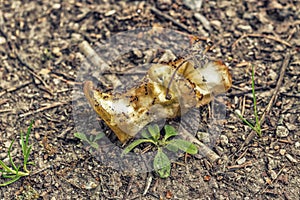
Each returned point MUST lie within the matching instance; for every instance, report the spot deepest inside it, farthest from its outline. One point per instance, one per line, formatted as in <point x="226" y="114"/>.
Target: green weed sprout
<point x="256" y="127"/>
<point x="92" y="140"/>
<point x="14" y="173"/>
<point x="161" y="162"/>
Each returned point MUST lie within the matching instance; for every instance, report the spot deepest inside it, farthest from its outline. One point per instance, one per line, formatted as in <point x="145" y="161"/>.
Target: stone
<point x="223" y="140"/>
<point x="282" y="131"/>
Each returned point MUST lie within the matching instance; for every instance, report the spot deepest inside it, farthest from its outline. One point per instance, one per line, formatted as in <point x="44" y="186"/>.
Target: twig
<point x="32" y="72"/>
<point x="93" y="57"/>
<point x="260" y="36"/>
<point x="285" y="64"/>
<point x="245" y="164"/>
<point x="168" y="17"/>
<point x="6" y="110"/>
<point x="65" y="80"/>
<point x="53" y="105"/>
<point x="40" y="170"/>
<point x="3" y="101"/>
<point x="128" y="188"/>
<point x="12" y="89"/>
<point x="203" y="149"/>
<point x="273" y="179"/>
<point x="148" y="183"/>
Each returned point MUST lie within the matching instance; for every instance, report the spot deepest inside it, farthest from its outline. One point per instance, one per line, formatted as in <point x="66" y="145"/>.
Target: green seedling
<point x="161" y="162"/>
<point x="92" y="140"/>
<point x="256" y="127"/>
<point x="14" y="173"/>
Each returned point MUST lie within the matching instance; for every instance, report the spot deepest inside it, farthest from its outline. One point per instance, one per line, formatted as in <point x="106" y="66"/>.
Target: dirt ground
<point x="40" y="58"/>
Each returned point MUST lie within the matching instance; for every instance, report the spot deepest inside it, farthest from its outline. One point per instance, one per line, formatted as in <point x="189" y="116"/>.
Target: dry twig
<point x="53" y="105"/>
<point x="260" y="36"/>
<point x="203" y="149"/>
<point x="32" y="72"/>
<point x="169" y="18"/>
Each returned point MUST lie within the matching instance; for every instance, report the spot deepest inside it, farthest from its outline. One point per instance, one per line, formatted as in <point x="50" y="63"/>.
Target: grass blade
<point x="10" y="158"/>
<point x="10" y="181"/>
<point x="257" y="125"/>
<point x="5" y="167"/>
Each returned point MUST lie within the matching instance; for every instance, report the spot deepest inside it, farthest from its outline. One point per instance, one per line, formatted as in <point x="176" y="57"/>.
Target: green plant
<point x="13" y="173"/>
<point x="161" y="162"/>
<point x="256" y="127"/>
<point x="92" y="140"/>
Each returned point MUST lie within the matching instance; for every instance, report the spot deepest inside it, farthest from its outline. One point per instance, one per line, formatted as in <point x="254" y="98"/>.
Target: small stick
<point x="243" y="106"/>
<point x="203" y="149"/>
<point x="6" y="110"/>
<point x="32" y="72"/>
<point x="53" y="105"/>
<point x="260" y="36"/>
<point x="12" y="89"/>
<point x="245" y="164"/>
<point x="272" y="181"/>
<point x="148" y="183"/>
<point x="3" y="101"/>
<point x="168" y="17"/>
<point x="285" y="64"/>
<point x="69" y="82"/>
<point x="128" y="188"/>
<point x="92" y="56"/>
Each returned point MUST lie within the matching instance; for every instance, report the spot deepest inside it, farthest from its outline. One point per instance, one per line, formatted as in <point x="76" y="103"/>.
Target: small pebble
<point x="230" y="12"/>
<point x="241" y="161"/>
<point x="282" y="152"/>
<point x="110" y="13"/>
<point x="273" y="174"/>
<point x="276" y="147"/>
<point x="193" y="4"/>
<point x="2" y="40"/>
<point x="223" y="140"/>
<point x="56" y="51"/>
<point x="282" y="131"/>
<point x="244" y="27"/>
<point x="297" y="144"/>
<point x="56" y="6"/>
<point x="204" y="137"/>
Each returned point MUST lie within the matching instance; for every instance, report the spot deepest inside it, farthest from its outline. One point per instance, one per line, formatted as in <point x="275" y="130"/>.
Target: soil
<point x="40" y="59"/>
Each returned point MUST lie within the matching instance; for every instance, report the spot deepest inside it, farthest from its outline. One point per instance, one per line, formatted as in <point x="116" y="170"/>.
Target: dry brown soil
<point x="40" y="59"/>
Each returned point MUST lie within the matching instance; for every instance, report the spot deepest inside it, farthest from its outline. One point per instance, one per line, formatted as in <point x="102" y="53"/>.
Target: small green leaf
<point x="94" y="145"/>
<point x="172" y="147"/>
<point x="81" y="136"/>
<point x="99" y="136"/>
<point x="154" y="131"/>
<point x="169" y="132"/>
<point x="145" y="134"/>
<point x="134" y="144"/>
<point x="185" y="146"/>
<point x="162" y="164"/>
<point x="91" y="138"/>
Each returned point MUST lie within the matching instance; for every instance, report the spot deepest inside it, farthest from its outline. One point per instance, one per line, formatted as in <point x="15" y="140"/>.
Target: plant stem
<point x="257" y="125"/>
